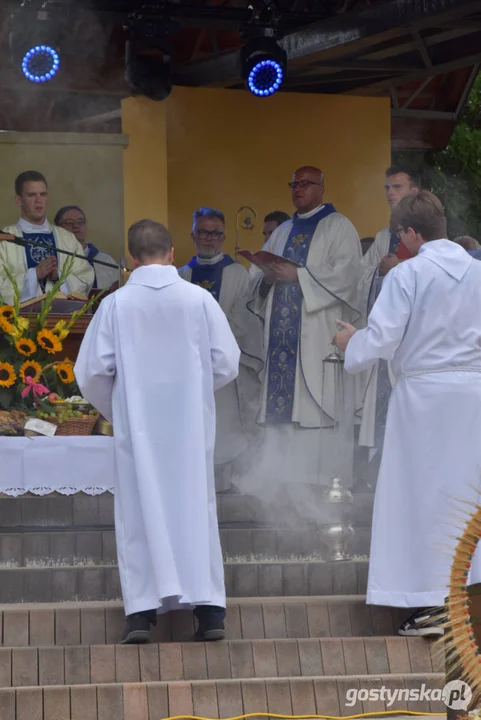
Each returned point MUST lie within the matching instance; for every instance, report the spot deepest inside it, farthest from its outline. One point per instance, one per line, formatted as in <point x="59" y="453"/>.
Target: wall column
<point x="145" y="161"/>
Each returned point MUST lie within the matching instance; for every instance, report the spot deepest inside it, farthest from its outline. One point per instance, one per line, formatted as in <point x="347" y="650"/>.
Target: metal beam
<point x="423" y="114"/>
<point x="332" y="33"/>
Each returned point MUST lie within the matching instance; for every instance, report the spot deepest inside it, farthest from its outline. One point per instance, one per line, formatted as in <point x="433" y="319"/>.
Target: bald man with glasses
<point x="299" y="302"/>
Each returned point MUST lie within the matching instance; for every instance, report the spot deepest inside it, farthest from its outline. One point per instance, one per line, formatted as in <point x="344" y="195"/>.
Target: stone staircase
<point x="299" y="634"/>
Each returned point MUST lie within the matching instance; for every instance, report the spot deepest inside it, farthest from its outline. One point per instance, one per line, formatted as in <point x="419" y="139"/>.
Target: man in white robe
<point x="35" y="268"/>
<point x="426" y="323"/>
<point x="152" y="357"/>
<point x="300" y="403"/>
<point x="106" y="269"/>
<point x="385" y="253"/>
<point x="237" y="404"/>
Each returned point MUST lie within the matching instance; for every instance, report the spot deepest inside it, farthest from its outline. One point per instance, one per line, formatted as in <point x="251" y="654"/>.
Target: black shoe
<point x="425" y="622"/>
<point x="210" y="623"/>
<point x="137" y="628"/>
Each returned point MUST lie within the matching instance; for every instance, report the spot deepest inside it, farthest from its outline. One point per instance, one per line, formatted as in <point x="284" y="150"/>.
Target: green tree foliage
<point x="454" y="174"/>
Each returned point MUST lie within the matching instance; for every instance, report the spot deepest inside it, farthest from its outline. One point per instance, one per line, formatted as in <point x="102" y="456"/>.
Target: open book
<point x="264" y="258"/>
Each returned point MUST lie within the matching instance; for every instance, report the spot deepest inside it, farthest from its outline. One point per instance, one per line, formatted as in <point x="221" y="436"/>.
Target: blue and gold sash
<point x="209" y="276"/>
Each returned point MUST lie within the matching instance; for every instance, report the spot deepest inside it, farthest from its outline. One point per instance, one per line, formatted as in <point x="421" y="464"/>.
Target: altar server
<point x="426" y="323"/>
<point x="35" y="268"/>
<point x="228" y="282"/>
<point x="152" y="357"/>
<point x="299" y="305"/>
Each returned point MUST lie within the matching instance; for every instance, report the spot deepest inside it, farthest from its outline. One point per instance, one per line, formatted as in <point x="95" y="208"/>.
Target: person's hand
<point x="285" y="272"/>
<point x="46" y="268"/>
<point x="270" y="274"/>
<point x="342" y="337"/>
<point x="387" y="264"/>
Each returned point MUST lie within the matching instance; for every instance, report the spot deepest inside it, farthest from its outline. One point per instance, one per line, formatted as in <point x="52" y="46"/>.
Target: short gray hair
<point x="209" y="213"/>
<point x="148" y="239"/>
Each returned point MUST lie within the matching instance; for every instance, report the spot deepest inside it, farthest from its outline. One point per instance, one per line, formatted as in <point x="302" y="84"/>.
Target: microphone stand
<point x="15" y="240"/>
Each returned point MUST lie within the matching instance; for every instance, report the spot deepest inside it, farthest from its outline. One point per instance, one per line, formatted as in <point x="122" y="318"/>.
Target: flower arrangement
<point x="27" y="368"/>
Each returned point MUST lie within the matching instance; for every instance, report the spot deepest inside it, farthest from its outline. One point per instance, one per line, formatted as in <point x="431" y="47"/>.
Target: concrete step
<point x="231" y="659"/>
<point x="247" y="619"/>
<point x="89" y="511"/>
<point x="74" y="546"/>
<point x="242" y="579"/>
<point x="212" y="699"/>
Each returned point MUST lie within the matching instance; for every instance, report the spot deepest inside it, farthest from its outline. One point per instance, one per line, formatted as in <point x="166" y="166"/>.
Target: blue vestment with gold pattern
<point x="209" y="275"/>
<point x="36" y="254"/>
<point x="285" y="323"/>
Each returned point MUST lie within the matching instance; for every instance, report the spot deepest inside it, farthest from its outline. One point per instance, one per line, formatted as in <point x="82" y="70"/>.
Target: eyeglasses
<point x="303" y="184"/>
<point x="73" y="223"/>
<point x="214" y="234"/>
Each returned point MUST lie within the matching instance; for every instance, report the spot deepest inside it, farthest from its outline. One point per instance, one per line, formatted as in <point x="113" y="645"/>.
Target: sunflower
<point x="7" y="374"/>
<point x="7" y="312"/>
<point x="30" y="368"/>
<point x="65" y="372"/>
<point x="49" y="341"/>
<point x="25" y="346"/>
<point x="61" y="330"/>
<point x="6" y="325"/>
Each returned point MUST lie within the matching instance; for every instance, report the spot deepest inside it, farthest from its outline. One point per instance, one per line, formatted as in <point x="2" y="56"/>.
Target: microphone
<point x="6" y="237"/>
<point x="16" y="240"/>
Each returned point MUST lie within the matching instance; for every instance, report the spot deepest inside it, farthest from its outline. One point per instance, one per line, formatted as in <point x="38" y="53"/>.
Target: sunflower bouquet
<point x="28" y="370"/>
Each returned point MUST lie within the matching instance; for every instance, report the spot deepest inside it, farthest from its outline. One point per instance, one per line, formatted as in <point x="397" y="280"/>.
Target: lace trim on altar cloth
<point x="16" y="492"/>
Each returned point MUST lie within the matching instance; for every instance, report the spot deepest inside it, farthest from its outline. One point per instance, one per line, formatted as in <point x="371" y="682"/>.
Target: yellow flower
<point x="65" y="372"/>
<point x="25" y="346"/>
<point x="7" y="374"/>
<point x="61" y="330"/>
<point x="7" y="312"/>
<point x="22" y="323"/>
<point x="30" y="368"/>
<point x="6" y="325"/>
<point x="49" y="341"/>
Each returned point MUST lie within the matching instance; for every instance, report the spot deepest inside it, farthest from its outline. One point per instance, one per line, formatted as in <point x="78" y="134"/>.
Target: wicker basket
<point x="75" y="426"/>
<point x="70" y="427"/>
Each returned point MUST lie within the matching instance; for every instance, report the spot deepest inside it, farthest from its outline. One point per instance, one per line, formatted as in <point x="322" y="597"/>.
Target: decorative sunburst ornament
<point x="246" y="219"/>
<point x="463" y="656"/>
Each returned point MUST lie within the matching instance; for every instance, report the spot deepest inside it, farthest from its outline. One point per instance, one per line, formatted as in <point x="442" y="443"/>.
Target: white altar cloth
<point x="67" y="465"/>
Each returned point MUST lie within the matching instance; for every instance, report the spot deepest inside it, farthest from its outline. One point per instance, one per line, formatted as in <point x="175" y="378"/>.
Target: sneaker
<point x="137" y="629"/>
<point x="210" y="623"/>
<point x="425" y="622"/>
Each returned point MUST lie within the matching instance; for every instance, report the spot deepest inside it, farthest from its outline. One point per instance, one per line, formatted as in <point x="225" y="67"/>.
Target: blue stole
<point x="209" y="276"/>
<point x="36" y="254"/>
<point x="394" y="242"/>
<point x="91" y="253"/>
<point x="285" y="323"/>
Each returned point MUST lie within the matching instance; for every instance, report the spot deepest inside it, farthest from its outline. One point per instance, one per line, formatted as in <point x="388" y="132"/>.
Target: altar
<point x="66" y="465"/>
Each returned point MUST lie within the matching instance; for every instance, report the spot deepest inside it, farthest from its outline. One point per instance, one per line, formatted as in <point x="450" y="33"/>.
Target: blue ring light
<point x="40" y="64"/>
<point x="265" y="78"/>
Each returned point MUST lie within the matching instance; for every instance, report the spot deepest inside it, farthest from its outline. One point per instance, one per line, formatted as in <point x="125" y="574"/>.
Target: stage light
<point x="40" y="64"/>
<point x="263" y="66"/>
<point x="148" y="73"/>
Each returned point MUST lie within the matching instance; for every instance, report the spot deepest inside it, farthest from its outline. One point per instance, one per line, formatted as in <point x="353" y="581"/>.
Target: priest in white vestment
<point x="36" y="268"/>
<point x="152" y="357"/>
<point x="300" y="404"/>
<point x="427" y="324"/>
<point x="237" y="404"/>
<point x="385" y="253"/>
<point x="106" y="269"/>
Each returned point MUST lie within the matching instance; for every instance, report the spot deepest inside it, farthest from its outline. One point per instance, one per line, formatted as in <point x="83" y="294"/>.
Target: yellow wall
<point x="145" y="161"/>
<point x="81" y="169"/>
<point x="226" y="148"/>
